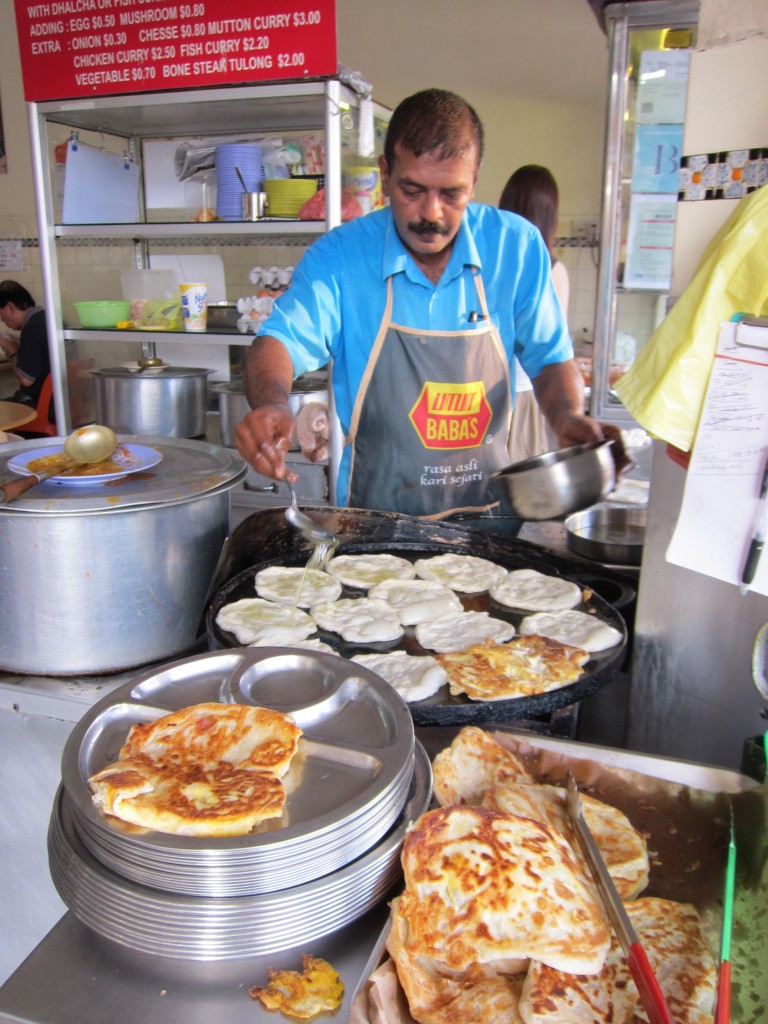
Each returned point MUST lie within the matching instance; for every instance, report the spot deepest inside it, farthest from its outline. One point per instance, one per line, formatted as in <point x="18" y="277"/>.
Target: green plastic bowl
<point x="102" y="314"/>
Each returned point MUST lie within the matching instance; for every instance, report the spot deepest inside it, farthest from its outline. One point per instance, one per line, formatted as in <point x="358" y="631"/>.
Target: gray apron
<point x="431" y="420"/>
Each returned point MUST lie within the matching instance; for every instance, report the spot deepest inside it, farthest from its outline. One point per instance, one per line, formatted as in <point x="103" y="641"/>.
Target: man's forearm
<point x="559" y="390"/>
<point x="268" y="373"/>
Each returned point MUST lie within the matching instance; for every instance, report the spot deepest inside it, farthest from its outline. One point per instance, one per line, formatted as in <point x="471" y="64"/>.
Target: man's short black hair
<point x="12" y="291"/>
<point x="434" y="121"/>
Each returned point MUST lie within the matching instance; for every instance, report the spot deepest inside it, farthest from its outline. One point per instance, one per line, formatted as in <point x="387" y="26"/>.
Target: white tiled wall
<point x="581" y="264"/>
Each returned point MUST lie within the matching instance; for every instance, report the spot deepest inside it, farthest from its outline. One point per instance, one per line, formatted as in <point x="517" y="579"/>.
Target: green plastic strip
<point x="730" y="880"/>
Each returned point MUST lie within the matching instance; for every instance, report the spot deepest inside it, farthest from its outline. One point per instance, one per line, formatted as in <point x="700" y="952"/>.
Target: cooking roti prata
<point x="457" y="630"/>
<point x="524" y="666"/>
<point x="468" y="574"/>
<point x="358" y="620"/>
<point x="208" y="770"/>
<point x="286" y="585"/>
<point x="416" y="601"/>
<point x="252" y="619"/>
<point x="414" y="677"/>
<point x="497" y="889"/>
<point x="318" y="989"/>
<point x="572" y="627"/>
<point x="535" y="591"/>
<point x="364" y="571"/>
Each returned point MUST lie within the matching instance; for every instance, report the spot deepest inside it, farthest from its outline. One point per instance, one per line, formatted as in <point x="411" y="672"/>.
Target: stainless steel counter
<point x="37" y="714"/>
<point x="75" y="977"/>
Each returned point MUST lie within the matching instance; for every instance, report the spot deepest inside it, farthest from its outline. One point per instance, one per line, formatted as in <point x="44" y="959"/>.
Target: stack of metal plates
<point x="356" y="782"/>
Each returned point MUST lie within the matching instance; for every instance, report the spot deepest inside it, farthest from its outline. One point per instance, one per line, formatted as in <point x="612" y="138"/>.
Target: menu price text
<point x="72" y="48"/>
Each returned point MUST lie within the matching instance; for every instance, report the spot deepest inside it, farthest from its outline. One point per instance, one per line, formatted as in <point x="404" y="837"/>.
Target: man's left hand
<point x="585" y="430"/>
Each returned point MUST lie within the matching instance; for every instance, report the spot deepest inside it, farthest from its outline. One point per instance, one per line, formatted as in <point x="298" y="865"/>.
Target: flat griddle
<point x="265" y="539"/>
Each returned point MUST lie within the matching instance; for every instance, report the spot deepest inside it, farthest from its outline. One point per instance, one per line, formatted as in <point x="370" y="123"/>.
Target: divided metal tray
<point x="194" y="928"/>
<point x="346" y="785"/>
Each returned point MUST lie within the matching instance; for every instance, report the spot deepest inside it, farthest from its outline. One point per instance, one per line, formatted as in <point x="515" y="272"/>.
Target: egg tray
<point x="414" y="539"/>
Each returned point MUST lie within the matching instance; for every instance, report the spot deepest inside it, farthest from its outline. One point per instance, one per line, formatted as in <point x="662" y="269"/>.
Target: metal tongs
<point x="648" y="986"/>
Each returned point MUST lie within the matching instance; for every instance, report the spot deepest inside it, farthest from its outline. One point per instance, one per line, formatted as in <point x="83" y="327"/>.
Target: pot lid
<point x="187" y="470"/>
<point x="151" y="371"/>
<point x="316" y="380"/>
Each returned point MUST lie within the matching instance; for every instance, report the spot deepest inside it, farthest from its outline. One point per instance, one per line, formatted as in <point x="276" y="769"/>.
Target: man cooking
<point x="421" y="307"/>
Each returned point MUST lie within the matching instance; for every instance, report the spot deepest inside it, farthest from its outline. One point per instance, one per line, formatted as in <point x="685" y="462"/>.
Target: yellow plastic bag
<point x="665" y="387"/>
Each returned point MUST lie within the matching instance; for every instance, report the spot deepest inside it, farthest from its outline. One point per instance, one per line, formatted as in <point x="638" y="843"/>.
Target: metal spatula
<point x="648" y="986"/>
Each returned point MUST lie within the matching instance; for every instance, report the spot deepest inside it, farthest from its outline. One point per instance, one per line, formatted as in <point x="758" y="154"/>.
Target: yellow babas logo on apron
<point x="451" y="415"/>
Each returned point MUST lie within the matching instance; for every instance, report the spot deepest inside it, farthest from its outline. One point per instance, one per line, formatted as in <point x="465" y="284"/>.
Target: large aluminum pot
<point x="104" y="576"/>
<point x="233" y="405"/>
<point x="557" y="483"/>
<point x="168" y="400"/>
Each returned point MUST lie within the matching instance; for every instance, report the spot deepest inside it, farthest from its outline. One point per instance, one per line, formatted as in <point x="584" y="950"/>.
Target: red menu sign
<point x="75" y="48"/>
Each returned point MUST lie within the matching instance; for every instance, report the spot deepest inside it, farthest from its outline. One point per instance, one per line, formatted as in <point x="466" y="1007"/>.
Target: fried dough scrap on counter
<point x="318" y="989"/>
<point x="500" y="921"/>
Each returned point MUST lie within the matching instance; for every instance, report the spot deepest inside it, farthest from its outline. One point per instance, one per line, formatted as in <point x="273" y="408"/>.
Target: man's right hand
<point x="264" y="436"/>
<point x="9" y="344"/>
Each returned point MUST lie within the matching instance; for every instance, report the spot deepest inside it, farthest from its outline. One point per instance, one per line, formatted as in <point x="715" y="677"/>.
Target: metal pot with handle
<point x="168" y="400"/>
<point x="104" y="575"/>
<point x="233" y="405"/>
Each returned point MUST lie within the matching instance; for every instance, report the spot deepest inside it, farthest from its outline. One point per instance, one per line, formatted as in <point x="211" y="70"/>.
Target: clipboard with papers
<point x="720" y="510"/>
<point x="99" y="187"/>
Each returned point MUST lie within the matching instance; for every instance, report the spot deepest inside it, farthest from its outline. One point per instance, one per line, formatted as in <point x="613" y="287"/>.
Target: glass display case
<point x="650" y="44"/>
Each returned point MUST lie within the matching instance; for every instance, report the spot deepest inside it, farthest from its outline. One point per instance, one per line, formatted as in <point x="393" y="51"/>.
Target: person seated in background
<point x="28" y="352"/>
<point x="532" y="193"/>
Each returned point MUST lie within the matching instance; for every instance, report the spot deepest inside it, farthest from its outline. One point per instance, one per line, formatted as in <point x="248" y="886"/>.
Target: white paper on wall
<point x="721" y="499"/>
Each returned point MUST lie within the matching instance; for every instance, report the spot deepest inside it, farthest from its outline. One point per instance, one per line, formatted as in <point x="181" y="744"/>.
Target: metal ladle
<point x="308" y="528"/>
<point x="84" y="446"/>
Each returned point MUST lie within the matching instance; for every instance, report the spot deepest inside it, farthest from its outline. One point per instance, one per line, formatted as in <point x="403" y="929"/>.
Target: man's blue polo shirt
<point x="334" y="307"/>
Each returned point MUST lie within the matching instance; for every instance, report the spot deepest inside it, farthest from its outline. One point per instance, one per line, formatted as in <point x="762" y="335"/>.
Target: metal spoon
<point x="309" y="529"/>
<point x="84" y="446"/>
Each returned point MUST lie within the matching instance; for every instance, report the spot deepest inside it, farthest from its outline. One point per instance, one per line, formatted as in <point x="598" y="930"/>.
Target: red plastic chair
<point x="41" y="423"/>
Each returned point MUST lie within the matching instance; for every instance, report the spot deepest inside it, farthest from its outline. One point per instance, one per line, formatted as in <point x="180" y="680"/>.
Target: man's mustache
<point x="427" y="227"/>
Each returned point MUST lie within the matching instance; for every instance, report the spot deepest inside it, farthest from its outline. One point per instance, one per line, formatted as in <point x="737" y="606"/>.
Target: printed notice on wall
<point x="721" y="500"/>
<point x="662" y="86"/>
<point x="650" y="242"/>
<point x="75" y="48"/>
<point x="11" y="257"/>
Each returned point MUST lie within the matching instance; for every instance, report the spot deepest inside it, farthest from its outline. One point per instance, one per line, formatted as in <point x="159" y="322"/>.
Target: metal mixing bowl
<point x="557" y="483"/>
<point x="614" y="535"/>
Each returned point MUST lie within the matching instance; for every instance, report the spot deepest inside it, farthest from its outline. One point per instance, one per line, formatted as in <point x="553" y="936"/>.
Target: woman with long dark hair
<point x="532" y="193"/>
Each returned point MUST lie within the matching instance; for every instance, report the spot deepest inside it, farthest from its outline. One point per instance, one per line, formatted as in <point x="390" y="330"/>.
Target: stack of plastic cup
<point x="231" y="157"/>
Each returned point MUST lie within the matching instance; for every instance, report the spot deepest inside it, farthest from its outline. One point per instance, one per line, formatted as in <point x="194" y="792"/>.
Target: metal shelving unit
<point x="324" y="106"/>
